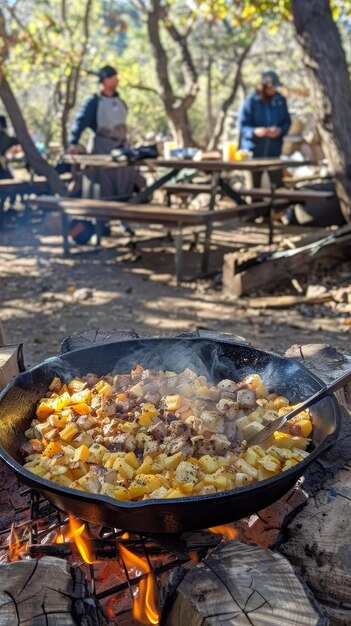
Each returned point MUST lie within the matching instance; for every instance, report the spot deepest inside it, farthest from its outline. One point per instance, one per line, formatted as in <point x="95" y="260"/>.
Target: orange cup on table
<point x="229" y="150"/>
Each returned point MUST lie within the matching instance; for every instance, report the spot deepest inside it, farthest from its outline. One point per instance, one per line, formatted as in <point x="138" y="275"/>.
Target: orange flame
<point x="144" y="605"/>
<point x="15" y="546"/>
<point x="76" y="531"/>
<point x="227" y="531"/>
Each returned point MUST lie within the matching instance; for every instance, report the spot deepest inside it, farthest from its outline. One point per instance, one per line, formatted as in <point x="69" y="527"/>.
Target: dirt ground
<point x="45" y="297"/>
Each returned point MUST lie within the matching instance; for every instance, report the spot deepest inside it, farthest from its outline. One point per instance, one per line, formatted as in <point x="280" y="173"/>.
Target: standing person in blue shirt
<point x="264" y="120"/>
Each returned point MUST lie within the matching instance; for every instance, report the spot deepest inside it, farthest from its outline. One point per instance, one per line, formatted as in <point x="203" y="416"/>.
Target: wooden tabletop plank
<point x="252" y="164"/>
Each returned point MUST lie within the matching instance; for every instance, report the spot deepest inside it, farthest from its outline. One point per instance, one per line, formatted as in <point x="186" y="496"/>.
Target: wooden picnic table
<point x="215" y="168"/>
<point x="172" y="217"/>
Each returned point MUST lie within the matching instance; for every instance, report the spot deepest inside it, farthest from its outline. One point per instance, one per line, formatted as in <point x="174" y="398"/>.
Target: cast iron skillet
<point x="218" y="357"/>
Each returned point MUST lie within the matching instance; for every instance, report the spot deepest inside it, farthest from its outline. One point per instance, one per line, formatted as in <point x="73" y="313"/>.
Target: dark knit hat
<point x="270" y="78"/>
<point x="106" y="72"/>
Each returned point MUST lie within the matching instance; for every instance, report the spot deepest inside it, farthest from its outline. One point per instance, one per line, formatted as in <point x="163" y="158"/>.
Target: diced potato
<point x="172" y="462"/>
<point x="280" y="402"/>
<point x="38" y="470"/>
<point x="53" y="448"/>
<point x="62" y="401"/>
<point x="124" y="470"/>
<point x="120" y="493"/>
<point x="289" y="463"/>
<point x="69" y="432"/>
<point x="251" y="457"/>
<point x="106" y="390"/>
<point x="45" y="409"/>
<point x="82" y="408"/>
<point x="108" y="490"/>
<point x="174" y="493"/>
<point x="131" y="459"/>
<point x="63" y="480"/>
<point x="252" y="429"/>
<point x="96" y="453"/>
<point x="81" y="396"/>
<point x="263" y="473"/>
<point x="302" y="428"/>
<point x="241" y="423"/>
<point x="244" y="467"/>
<point x="79" y="469"/>
<point x="242" y="479"/>
<point x="172" y="403"/>
<point x="137" y="390"/>
<point x="283" y="453"/>
<point x="146" y="466"/>
<point x="159" y="493"/>
<point x="76" y="385"/>
<point x="300" y="442"/>
<point x="81" y="453"/>
<point x="42" y="429"/>
<point x="217" y="480"/>
<point x="270" y="463"/>
<point x="257" y="450"/>
<point x="208" y="464"/>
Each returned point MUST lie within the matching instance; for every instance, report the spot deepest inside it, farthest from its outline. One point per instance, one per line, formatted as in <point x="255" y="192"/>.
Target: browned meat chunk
<point x="158" y="431"/>
<point x="181" y="445"/>
<point x="228" y="407"/>
<point x="124" y="442"/>
<point x="180" y="429"/>
<point x="91" y="379"/>
<point x="221" y="444"/>
<point x="246" y="399"/>
<point x="151" y="448"/>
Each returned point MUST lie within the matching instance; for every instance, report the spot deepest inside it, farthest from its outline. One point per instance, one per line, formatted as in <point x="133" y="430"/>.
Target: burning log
<point x="46" y="592"/>
<point x="318" y="539"/>
<point x="239" y="584"/>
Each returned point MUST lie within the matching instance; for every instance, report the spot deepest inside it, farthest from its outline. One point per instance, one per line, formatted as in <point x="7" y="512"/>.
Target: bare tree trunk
<point x="176" y="108"/>
<point x="326" y="64"/>
<point x="219" y="125"/>
<point x="209" y="108"/>
<point x="74" y="77"/>
<point x="34" y="159"/>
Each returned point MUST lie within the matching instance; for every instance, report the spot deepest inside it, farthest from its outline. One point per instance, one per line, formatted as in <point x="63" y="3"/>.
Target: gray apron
<point x="116" y="182"/>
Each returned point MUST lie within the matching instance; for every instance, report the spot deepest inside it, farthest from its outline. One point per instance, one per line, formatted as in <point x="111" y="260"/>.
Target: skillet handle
<point x="95" y="337"/>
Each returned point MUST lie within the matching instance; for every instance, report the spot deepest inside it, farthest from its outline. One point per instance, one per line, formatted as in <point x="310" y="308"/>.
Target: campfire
<point x="125" y="571"/>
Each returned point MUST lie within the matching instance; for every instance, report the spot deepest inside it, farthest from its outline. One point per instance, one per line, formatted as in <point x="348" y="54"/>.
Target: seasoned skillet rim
<point x="89" y="498"/>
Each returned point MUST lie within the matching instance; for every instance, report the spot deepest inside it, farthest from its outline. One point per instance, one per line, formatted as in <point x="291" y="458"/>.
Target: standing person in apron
<point x="105" y="114"/>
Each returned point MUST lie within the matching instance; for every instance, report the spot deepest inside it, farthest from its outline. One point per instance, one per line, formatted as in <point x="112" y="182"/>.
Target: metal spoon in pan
<point x="328" y="390"/>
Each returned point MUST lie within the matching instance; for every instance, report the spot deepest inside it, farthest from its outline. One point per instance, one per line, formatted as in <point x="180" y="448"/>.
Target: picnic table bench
<point x="13" y="186"/>
<point x="176" y="218"/>
<point x="291" y="195"/>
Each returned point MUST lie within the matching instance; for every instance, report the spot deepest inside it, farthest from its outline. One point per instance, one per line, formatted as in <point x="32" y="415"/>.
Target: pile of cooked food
<point x="158" y="434"/>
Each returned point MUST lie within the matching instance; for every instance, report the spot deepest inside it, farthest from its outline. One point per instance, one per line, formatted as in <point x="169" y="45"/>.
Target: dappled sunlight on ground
<point x="45" y="297"/>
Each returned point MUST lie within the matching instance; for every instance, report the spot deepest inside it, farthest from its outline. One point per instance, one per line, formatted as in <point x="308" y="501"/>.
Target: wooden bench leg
<point x="2" y="213"/>
<point x="65" y="233"/>
<point x="206" y="252"/>
<point x="179" y="253"/>
<point x="99" y="226"/>
<point x="270" y="217"/>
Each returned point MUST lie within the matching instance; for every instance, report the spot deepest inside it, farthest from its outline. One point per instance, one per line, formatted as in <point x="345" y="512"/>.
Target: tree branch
<point x="219" y="126"/>
<point x="144" y="88"/>
<point x="188" y="67"/>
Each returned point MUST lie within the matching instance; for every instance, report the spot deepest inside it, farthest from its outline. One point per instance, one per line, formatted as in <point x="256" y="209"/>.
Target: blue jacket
<point x="255" y="112"/>
<point x="86" y="118"/>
